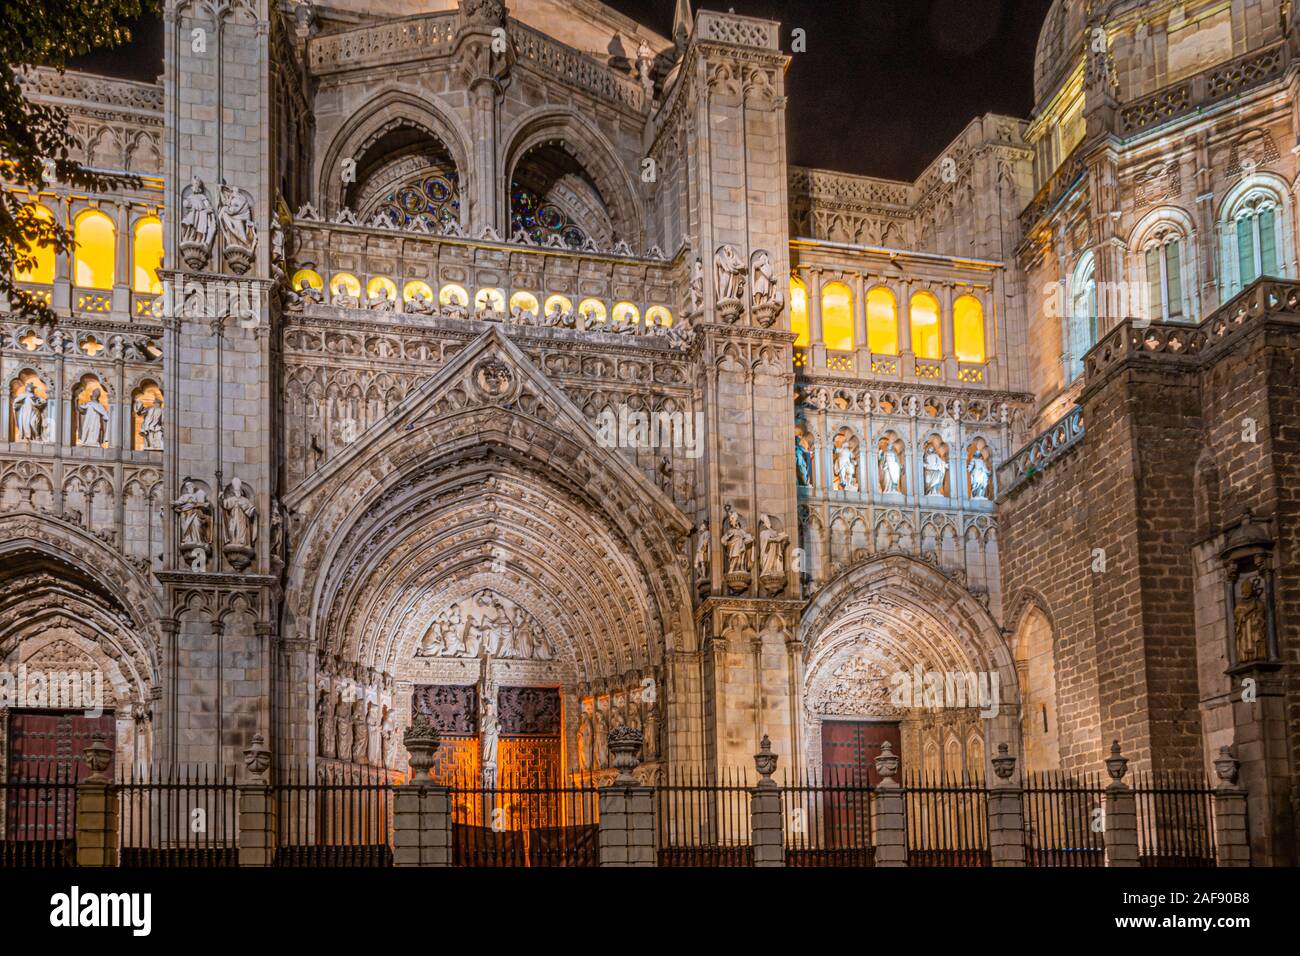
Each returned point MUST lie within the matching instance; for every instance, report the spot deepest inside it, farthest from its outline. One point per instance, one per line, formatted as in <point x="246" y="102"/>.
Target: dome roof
<point x="1059" y="43"/>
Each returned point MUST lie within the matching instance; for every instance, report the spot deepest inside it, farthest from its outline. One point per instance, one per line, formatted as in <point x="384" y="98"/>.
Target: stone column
<point x="1121" y="813"/>
<point x="97" y="817"/>
<point x="627" y="814"/>
<point x="766" y="827"/>
<point x="891" y="813"/>
<point x="421" y="810"/>
<point x="1231" y="838"/>
<point x="1006" y="813"/>
<point x="256" y="808"/>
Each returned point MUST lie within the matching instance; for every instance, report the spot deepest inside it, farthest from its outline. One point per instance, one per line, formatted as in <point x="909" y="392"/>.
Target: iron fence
<point x="1175" y="819"/>
<point x="1064" y="822"/>
<point x="703" y="819"/>
<point x="38" y="826"/>
<point x="947" y="821"/>
<point x="829" y="822"/>
<point x="178" y="816"/>
<point x="512" y="823"/>
<point x="334" y="816"/>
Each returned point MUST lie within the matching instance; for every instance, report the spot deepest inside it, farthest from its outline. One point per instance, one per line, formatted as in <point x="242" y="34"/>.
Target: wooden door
<point x="850" y="749"/>
<point x="45" y="746"/>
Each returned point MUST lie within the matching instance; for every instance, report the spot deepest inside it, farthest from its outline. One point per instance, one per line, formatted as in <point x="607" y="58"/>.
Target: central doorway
<point x="850" y="749"/>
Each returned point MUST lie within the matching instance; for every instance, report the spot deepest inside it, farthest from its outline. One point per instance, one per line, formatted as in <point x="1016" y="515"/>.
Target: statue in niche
<point x="601" y="755"/>
<point x="94" y="420"/>
<point x="489" y="728"/>
<point x="768" y="298"/>
<point x="702" y="552"/>
<point x="241" y="516"/>
<point x="650" y="741"/>
<point x="695" y="290"/>
<point x="1250" y="621"/>
<point x="419" y="303"/>
<point x="802" y="462"/>
<point x="736" y="541"/>
<point x="193" y="507"/>
<point x="151" y="425"/>
<point x="978" y="470"/>
<point x="29" y="414"/>
<point x="586" y="735"/>
<point x="846" y="467"/>
<point x="935" y="469"/>
<point x="324" y="726"/>
<point x="772" y="545"/>
<point x="198" y="224"/>
<point x="343" y="731"/>
<point x="891" y="468"/>
<point x="374" y="740"/>
<point x="360" y="739"/>
<point x="728" y="274"/>
<point x="238" y="231"/>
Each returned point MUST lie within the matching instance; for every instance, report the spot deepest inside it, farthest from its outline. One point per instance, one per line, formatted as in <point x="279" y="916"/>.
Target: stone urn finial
<point x="1004" y="764"/>
<point x="98" y="756"/>
<point x="887" y="764"/>
<point x="625" y="749"/>
<point x="1226" y="766"/>
<point x="421" y="741"/>
<point x="1116" y="763"/>
<point x="257" y="757"/>
<point x="765" y="762"/>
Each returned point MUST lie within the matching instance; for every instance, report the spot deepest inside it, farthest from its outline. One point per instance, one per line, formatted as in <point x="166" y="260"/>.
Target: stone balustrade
<point x="1040" y="452"/>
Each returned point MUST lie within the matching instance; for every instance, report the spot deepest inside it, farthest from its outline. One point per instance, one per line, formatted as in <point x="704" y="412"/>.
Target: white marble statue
<point x="935" y="468"/>
<point x="94" y="420"/>
<point x="772" y="545"/>
<point x="846" y="467"/>
<point x="728" y="274"/>
<point x="241" y="516"/>
<point x="151" y="424"/>
<point x="29" y="414"/>
<point x="891" y="469"/>
<point x="978" y="469"/>
<point x="198" y="219"/>
<point x="236" y="217"/>
<point x="736" y="541"/>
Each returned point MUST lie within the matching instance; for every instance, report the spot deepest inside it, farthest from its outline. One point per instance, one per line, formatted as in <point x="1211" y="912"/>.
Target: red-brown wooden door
<point x="849" y="751"/>
<point x="47" y="745"/>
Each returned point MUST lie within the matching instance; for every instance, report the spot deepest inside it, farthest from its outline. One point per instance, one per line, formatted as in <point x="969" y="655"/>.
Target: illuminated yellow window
<point x="42" y="270"/>
<point x="93" y="265"/>
<point x="799" y="312"/>
<point x="307" y="277"/>
<point x="524" y="301"/>
<point x="565" y="306"/>
<point x="837" y="317"/>
<point x="882" y="321"/>
<point x="147" y="255"/>
<point x="493" y="299"/>
<point x="595" y="307"/>
<point x="659" y="315"/>
<point x="926" y="340"/>
<point x="968" y="329"/>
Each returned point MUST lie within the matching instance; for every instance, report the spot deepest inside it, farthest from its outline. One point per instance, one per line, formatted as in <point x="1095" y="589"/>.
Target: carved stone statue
<point x="728" y="274"/>
<point x="360" y="733"/>
<point x="151" y="425"/>
<point x="695" y="290"/>
<point x="978" y="469"/>
<point x="198" y="224"/>
<point x="193" y="507"/>
<point x="772" y="545"/>
<point x="490" y="728"/>
<point x="238" y="230"/>
<point x="94" y="421"/>
<point x="343" y="731"/>
<point x="324" y="725"/>
<point x="1250" y="622"/>
<point x="600" y="758"/>
<point x="241" y="523"/>
<point x="586" y="734"/>
<point x="487" y="627"/>
<point x="891" y="469"/>
<point x="846" y="467"/>
<point x="768" y="298"/>
<point x="802" y="462"/>
<point x="29" y="414"/>
<point x="419" y="303"/>
<point x="702" y="552"/>
<point x="935" y="469"/>
<point x="736" y="541"/>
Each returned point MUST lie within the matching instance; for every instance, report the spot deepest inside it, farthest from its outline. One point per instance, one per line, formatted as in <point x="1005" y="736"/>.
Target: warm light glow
<point x="626" y="312"/>
<point x="524" y="301"/>
<point x="18" y="387"/>
<point x="42" y="271"/>
<point x="453" y="294"/>
<point x="146" y="396"/>
<point x="345" y="283"/>
<point x="381" y="287"/>
<point x="882" y="321"/>
<point x="417" y="287"/>
<point x="968" y="329"/>
<point x="660" y="316"/>
<point x="96" y="256"/>
<point x="837" y="317"/>
<point x="147" y="253"/>
<point x="595" y="306"/>
<point x="307" y="277"/>
<point x="799" y="324"/>
<point x="490" y="298"/>
<point x="926" y="340"/>
<point x="564" y="303"/>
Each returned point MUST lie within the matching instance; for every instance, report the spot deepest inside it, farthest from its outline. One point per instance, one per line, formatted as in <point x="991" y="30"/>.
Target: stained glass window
<point x="541" y="219"/>
<point x="434" y="197"/>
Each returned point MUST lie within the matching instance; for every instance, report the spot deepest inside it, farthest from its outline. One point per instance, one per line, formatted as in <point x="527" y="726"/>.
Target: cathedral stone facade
<point x="491" y="361"/>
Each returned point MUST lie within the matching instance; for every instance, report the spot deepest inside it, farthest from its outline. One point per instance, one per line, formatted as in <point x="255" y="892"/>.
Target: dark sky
<point x="883" y="87"/>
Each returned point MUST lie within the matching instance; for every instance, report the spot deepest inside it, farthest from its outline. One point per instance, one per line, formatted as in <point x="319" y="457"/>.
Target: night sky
<point x="884" y="85"/>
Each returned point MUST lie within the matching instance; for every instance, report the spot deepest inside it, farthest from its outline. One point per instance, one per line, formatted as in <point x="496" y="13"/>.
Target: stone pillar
<point x="256" y="808"/>
<point x="1231" y="838"/>
<point x="97" y="818"/>
<point x="891" y="813"/>
<point x="1006" y="813"/>
<point x="421" y="810"/>
<point x="1121" y="813"/>
<point x="766" y="826"/>
<point x="627" y="813"/>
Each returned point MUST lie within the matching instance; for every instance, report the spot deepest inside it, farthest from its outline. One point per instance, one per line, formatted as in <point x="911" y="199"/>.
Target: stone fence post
<point x="96" y="815"/>
<point x="891" y="812"/>
<point x="766" y="821"/>
<point x="1121" y="813"/>
<point x="1231" y="837"/>
<point x="1006" y="813"/>
<point x="421" y="810"/>
<point x="627" y="811"/>
<point x="256" y="808"/>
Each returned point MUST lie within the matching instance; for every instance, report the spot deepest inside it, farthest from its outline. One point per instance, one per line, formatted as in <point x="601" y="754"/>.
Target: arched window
<point x="799" y="312"/>
<point x="1083" y="313"/>
<point x="1254" y="233"/>
<point x="1162" y="258"/>
<point x="882" y="321"/>
<point x="837" y="317"/>
<point x="927" y="342"/>
<point x="94" y="263"/>
<point x="968" y="329"/>
<point x="1256" y="241"/>
<point x="42" y="270"/>
<point x="147" y="255"/>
